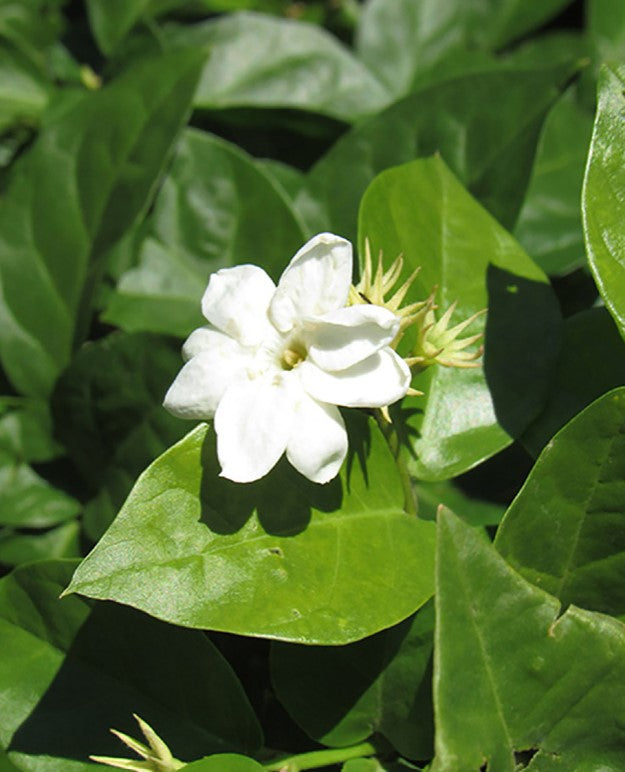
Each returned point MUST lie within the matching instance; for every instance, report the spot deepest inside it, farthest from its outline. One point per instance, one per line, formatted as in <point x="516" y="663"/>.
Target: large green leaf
<point x="262" y="61"/>
<point x="281" y="558"/>
<point x="511" y="675"/>
<point x="485" y="125"/>
<point x="603" y="203"/>
<point x="591" y="363"/>
<point x="68" y="673"/>
<point x="550" y="222"/>
<point x="72" y="196"/>
<point x="342" y="695"/>
<point x="108" y="412"/>
<point x="403" y="41"/>
<point x="565" y="531"/>
<point x="215" y="208"/>
<point x="422" y="211"/>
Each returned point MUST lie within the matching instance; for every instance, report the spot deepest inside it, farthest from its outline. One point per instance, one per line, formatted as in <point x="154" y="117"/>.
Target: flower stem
<point x="390" y="435"/>
<point x="319" y="759"/>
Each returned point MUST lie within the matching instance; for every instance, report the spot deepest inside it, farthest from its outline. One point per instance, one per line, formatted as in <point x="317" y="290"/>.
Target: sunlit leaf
<point x="526" y="678"/>
<point x="281" y="558"/>
<point x="565" y="531"/>
<point x="603" y="202"/>
<point x="421" y="211"/>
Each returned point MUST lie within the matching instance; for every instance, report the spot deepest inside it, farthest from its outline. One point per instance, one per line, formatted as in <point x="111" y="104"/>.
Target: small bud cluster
<point x="157" y="757"/>
<point x="436" y="342"/>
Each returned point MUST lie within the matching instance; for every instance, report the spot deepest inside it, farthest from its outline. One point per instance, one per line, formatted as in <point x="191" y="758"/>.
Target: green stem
<point x="390" y="435"/>
<point x="318" y="759"/>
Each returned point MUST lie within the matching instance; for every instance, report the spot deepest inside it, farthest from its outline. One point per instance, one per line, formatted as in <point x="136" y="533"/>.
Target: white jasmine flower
<point x="274" y="362"/>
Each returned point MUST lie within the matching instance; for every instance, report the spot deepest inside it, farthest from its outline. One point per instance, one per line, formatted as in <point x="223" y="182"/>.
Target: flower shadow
<point x="283" y="500"/>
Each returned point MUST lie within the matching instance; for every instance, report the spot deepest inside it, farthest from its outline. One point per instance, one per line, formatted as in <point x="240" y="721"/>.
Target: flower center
<point x="293" y="353"/>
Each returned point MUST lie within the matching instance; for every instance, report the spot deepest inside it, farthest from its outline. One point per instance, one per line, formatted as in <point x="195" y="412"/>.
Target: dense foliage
<point x="282" y="624"/>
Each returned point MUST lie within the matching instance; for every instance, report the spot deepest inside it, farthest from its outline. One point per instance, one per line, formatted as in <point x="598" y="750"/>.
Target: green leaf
<point x="280" y="558"/>
<point x="72" y="196"/>
<point x="108" y="412"/>
<point x="261" y="61"/>
<point x="550" y="49"/>
<point x="60" y="542"/>
<point x="111" y="20"/>
<point x="216" y="208"/>
<point x="26" y="430"/>
<point x="606" y="29"/>
<point x="591" y="362"/>
<point x="224" y="762"/>
<point x="603" y="201"/>
<point x="31" y="25"/>
<point x="550" y="222"/>
<point x="511" y="675"/>
<point x="403" y="41"/>
<point x="476" y="512"/>
<point x="564" y="531"/>
<point x="24" y="92"/>
<point x="342" y="695"/>
<point x="491" y="151"/>
<point x="29" y="501"/>
<point x="422" y="211"/>
<point x="68" y="673"/>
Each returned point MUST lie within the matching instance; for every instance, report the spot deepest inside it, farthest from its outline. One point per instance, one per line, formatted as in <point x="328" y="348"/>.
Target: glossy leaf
<point x="565" y="531"/>
<point x="281" y="558"/>
<point x="449" y="118"/>
<point x="72" y="196"/>
<point x="108" y="412"/>
<point x="68" y="673"/>
<point x="591" y="363"/>
<point x="603" y="202"/>
<point x="524" y="677"/>
<point x="212" y="211"/>
<point x="550" y="223"/>
<point x="403" y="41"/>
<point x="421" y="211"/>
<point x="342" y="695"/>
<point x="261" y="61"/>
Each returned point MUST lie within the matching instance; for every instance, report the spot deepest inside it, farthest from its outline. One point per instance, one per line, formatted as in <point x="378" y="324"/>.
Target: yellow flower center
<point x="292" y="355"/>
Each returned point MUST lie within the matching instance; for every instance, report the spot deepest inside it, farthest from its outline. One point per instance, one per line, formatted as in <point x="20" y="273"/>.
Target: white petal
<point x="316" y="281"/>
<point x="207" y="338"/>
<point x="379" y="380"/>
<point x="253" y="424"/>
<point x="236" y="302"/>
<point x="318" y="444"/>
<point x="203" y="380"/>
<point x="341" y="338"/>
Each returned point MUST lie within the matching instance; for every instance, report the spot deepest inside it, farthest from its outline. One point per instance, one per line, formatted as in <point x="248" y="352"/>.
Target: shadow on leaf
<point x="522" y="342"/>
